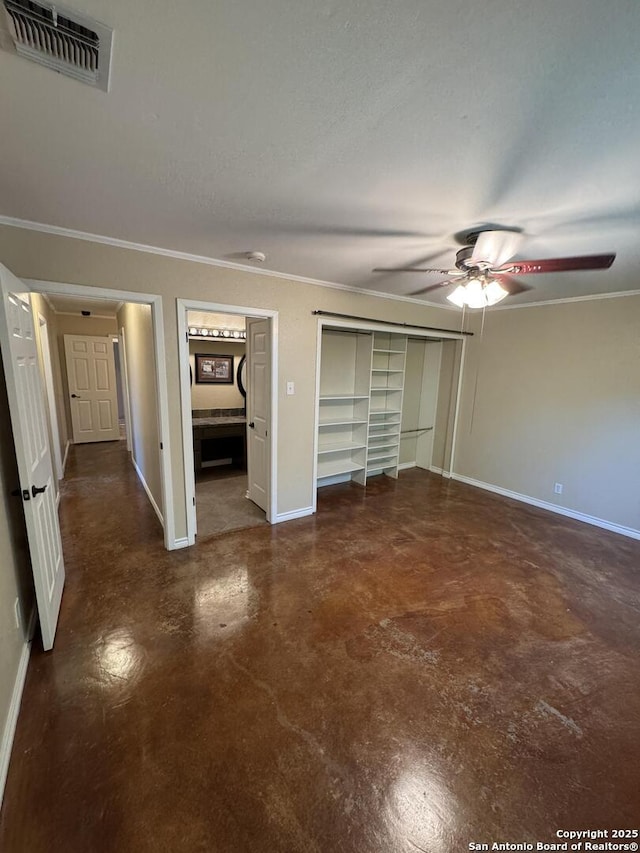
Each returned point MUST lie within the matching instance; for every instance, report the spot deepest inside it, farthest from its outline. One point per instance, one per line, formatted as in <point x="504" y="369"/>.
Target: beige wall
<point x="15" y="570"/>
<point x="143" y="400"/>
<point x="44" y="256"/>
<point x="205" y="396"/>
<point x="558" y="401"/>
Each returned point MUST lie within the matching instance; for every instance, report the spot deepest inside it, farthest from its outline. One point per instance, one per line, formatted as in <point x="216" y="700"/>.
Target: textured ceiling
<point x="339" y="135"/>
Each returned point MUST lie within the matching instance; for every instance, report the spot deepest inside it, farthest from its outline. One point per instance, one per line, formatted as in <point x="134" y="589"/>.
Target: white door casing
<point x="33" y="454"/>
<point x="93" y="395"/>
<point x="258" y="414"/>
<point x="50" y="390"/>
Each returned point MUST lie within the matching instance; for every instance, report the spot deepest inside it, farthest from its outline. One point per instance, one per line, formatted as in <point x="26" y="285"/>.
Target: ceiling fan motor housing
<point x="464" y="262"/>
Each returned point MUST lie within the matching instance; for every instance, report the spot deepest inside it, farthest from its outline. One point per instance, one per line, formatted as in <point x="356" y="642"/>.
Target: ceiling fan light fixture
<point x="458" y="296"/>
<point x="494" y="292"/>
<point x="474" y="296"/>
<point x="478" y="293"/>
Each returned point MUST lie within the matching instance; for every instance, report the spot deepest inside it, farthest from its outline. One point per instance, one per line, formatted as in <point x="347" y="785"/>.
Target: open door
<point x="26" y="403"/>
<point x="258" y="410"/>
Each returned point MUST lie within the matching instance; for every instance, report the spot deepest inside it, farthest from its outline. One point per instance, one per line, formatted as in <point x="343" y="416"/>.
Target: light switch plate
<point x="291" y="388"/>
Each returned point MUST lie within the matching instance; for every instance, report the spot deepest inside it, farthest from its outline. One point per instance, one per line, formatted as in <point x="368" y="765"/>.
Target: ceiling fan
<point x="485" y="275"/>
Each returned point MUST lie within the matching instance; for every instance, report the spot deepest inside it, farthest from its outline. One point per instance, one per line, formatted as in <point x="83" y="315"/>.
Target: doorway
<point x="142" y="415"/>
<point x="227" y="373"/>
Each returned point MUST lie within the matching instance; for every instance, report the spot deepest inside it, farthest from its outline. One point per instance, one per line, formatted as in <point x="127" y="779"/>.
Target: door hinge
<point x="161" y="446"/>
<point x="186" y="334"/>
<point x="194" y="500"/>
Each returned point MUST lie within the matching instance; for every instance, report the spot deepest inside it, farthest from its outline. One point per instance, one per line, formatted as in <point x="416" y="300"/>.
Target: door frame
<point x="182" y="306"/>
<point x="50" y="395"/>
<point x="155" y="303"/>
<point x="124" y="378"/>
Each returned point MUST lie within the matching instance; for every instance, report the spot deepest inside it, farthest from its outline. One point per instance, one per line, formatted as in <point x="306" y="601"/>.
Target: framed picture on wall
<point x="214" y="369"/>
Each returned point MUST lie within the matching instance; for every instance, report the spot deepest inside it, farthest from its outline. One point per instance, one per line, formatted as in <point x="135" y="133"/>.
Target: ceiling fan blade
<point x="429" y="288"/>
<point x="496" y="247"/>
<point x="583" y="262"/>
<point x="410" y="269"/>
<point x="512" y="285"/>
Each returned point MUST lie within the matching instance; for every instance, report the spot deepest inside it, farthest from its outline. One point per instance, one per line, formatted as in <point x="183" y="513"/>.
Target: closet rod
<point x="389" y="323"/>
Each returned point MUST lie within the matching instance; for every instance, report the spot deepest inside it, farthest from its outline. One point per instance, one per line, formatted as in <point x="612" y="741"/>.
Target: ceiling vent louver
<point x="66" y="41"/>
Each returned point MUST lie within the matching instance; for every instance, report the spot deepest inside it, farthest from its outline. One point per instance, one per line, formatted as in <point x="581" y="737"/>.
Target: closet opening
<point x="386" y="401"/>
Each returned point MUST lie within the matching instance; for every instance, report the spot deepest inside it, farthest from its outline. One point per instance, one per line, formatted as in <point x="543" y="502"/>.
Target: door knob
<point x="252" y="425"/>
<point x="77" y="396"/>
<point x="38" y="491"/>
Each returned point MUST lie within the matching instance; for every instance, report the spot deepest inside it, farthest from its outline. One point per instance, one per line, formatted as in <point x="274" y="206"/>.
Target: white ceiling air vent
<point x="63" y="40"/>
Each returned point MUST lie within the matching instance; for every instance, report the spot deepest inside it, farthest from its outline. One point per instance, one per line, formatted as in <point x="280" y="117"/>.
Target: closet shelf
<point x="327" y="398"/>
<point x="390" y="351"/>
<point x="334" y="467"/>
<point x="385" y="370"/>
<point x="339" y="447"/>
<point x="373" y="448"/>
<point x="382" y="457"/>
<point x="373" y="412"/>
<point x="330" y="422"/>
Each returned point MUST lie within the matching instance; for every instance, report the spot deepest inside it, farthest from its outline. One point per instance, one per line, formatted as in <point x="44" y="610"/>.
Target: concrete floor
<point x="418" y="667"/>
<point x="221" y="502"/>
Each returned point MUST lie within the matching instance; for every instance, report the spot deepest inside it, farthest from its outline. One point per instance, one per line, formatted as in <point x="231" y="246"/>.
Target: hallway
<point x="419" y="666"/>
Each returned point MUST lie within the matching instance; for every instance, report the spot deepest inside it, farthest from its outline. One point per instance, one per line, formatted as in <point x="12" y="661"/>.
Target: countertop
<point x="223" y="420"/>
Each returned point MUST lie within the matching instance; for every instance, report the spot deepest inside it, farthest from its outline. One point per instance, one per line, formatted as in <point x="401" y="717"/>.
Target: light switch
<point x="291" y="388"/>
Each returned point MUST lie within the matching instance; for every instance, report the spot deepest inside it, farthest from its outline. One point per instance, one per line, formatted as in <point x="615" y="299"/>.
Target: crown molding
<point x="566" y="299"/>
<point x="52" y="307"/>
<point x="59" y="231"/>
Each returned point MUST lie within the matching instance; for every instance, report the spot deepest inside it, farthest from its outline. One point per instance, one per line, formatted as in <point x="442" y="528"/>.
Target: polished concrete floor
<point x="418" y="667"/>
<point x="221" y="502"/>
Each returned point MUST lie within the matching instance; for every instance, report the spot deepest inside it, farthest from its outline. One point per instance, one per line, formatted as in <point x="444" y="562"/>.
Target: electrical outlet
<point x="291" y="388"/>
<point x="558" y="487"/>
<point x="16" y="612"/>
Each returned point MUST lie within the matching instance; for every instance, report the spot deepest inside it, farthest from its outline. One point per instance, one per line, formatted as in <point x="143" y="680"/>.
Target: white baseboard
<point x="559" y="510"/>
<point x="440" y="471"/>
<point x="294" y="513"/>
<point x="180" y="543"/>
<point x="148" y="491"/>
<point x="14" y="706"/>
<point x="404" y="465"/>
<point x="64" y="459"/>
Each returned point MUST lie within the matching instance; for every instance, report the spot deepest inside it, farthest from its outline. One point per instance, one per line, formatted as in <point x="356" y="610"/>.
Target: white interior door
<point x="258" y="410"/>
<point x="93" y="395"/>
<point x="26" y="404"/>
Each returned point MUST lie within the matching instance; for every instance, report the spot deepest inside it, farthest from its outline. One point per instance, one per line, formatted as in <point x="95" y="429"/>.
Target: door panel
<point x="258" y="410"/>
<point x="33" y="455"/>
<point x="92" y="379"/>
